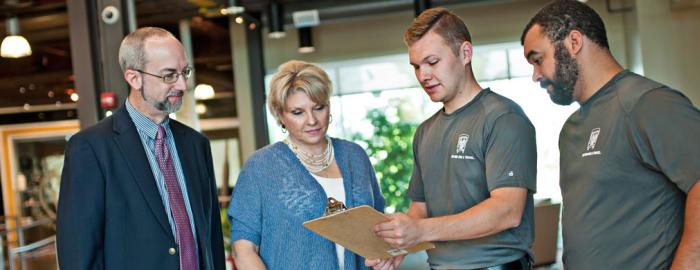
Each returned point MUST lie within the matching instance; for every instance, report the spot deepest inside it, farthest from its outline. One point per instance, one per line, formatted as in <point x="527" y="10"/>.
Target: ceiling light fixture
<point x="14" y="45"/>
<point x="200" y="108"/>
<point x="203" y="91"/>
<point x="276" y="21"/>
<point x="233" y="8"/>
<point x="421" y="5"/>
<point x="306" y="43"/>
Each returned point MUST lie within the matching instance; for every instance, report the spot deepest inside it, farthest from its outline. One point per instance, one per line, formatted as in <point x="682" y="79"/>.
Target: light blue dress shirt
<point x="148" y="130"/>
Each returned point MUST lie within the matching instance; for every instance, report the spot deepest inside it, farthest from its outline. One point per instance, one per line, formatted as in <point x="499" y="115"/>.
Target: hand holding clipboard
<point x="353" y="229"/>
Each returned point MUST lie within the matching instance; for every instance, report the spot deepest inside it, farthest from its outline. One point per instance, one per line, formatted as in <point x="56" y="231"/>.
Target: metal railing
<point x="16" y="253"/>
<point x="13" y="229"/>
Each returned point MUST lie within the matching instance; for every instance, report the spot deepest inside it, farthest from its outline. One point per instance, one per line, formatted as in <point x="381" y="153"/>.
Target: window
<point x="389" y="85"/>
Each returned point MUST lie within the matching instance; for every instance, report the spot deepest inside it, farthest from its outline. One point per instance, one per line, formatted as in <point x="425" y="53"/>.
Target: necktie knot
<point x="162" y="154"/>
<point x="161" y="132"/>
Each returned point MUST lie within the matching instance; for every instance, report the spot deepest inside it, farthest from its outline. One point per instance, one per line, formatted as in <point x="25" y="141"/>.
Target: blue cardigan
<point x="275" y="194"/>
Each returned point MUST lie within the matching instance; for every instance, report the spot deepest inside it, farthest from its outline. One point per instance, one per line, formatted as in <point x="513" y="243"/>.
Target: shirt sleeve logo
<point x="592" y="140"/>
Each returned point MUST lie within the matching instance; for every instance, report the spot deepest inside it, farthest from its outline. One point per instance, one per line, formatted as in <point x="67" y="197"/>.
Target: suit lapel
<point x="129" y="143"/>
<point x="188" y="160"/>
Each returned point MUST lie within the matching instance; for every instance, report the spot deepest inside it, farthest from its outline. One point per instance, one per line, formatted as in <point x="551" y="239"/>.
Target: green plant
<point x="391" y="152"/>
<point x="226" y="229"/>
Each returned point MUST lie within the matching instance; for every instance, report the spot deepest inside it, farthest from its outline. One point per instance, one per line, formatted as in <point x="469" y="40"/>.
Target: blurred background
<point x="59" y="73"/>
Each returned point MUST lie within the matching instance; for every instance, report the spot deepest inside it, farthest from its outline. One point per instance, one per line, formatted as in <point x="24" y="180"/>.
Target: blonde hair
<point x="131" y="51"/>
<point x="296" y="75"/>
<point x="445" y="23"/>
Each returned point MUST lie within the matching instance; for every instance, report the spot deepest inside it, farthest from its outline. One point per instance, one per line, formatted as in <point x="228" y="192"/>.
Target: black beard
<point x="565" y="76"/>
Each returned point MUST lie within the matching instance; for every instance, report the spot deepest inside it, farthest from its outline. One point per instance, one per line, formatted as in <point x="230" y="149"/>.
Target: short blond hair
<point x="445" y="23"/>
<point x="132" y="54"/>
<point x="296" y="75"/>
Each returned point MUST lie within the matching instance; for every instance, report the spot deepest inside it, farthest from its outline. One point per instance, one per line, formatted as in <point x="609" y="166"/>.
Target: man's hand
<point x="386" y="264"/>
<point x="400" y="231"/>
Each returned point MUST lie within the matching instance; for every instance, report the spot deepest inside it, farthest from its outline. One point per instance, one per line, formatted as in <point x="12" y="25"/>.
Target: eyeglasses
<point x="171" y="77"/>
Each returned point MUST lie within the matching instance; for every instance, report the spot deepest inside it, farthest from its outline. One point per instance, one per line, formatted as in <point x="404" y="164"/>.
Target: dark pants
<point x="520" y="264"/>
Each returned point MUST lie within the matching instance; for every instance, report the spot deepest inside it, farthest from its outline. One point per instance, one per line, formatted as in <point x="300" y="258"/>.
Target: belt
<point x="520" y="264"/>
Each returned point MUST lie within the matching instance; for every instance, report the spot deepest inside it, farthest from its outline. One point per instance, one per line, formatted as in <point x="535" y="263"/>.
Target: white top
<point x="334" y="188"/>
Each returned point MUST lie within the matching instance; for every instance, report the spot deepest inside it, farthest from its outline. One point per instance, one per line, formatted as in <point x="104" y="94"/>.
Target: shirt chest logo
<point x="592" y="140"/>
<point x="462" y="143"/>
<point x="461" y="147"/>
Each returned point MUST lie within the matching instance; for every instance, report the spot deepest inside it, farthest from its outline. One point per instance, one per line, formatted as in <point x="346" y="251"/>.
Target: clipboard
<point x="353" y="229"/>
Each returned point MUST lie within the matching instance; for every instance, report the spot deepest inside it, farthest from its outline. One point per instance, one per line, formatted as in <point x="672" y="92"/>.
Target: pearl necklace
<point x="313" y="163"/>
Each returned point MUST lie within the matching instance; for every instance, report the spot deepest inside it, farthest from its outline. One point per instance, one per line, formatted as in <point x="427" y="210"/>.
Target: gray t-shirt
<point x="459" y="158"/>
<point x="629" y="155"/>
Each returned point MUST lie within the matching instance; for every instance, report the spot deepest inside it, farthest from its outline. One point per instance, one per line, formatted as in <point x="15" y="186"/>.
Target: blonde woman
<point x="287" y="183"/>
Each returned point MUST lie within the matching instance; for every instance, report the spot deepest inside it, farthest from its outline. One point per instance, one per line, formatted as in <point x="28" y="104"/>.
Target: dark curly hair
<point x="559" y="17"/>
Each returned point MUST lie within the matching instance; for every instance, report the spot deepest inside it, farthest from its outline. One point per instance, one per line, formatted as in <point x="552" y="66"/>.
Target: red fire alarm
<point x="108" y="100"/>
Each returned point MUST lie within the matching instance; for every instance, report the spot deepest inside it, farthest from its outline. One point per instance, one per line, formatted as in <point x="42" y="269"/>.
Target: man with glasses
<point x="138" y="189"/>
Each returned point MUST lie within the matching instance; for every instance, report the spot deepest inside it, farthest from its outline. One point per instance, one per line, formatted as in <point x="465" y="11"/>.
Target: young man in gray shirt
<point x="475" y="161"/>
<point x="629" y="156"/>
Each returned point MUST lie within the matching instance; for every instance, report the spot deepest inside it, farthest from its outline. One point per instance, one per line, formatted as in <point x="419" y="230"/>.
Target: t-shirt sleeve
<point x="511" y="153"/>
<point x="666" y="134"/>
<point x="245" y="210"/>
<point x="415" y="190"/>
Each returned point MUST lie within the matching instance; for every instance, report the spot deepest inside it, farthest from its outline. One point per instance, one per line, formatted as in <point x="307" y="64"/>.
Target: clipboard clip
<point x="334" y="206"/>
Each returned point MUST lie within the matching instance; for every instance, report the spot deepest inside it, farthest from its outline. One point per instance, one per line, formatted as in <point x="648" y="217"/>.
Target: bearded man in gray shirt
<point x="475" y="161"/>
<point x="629" y="156"/>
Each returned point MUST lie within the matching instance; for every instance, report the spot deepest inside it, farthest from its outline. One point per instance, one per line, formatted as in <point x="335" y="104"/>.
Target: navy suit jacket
<point x="110" y="214"/>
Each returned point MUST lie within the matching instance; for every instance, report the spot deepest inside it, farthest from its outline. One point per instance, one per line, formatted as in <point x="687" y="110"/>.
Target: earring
<point x="284" y="129"/>
<point x="330" y="118"/>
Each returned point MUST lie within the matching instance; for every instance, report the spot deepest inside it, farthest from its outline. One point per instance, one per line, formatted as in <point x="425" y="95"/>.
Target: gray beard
<point x="163" y="105"/>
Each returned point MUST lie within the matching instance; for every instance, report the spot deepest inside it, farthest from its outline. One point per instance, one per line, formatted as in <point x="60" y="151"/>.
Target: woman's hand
<point x="385" y="264"/>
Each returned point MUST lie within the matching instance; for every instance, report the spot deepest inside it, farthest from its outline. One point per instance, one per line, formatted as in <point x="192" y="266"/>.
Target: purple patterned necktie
<point x="188" y="258"/>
